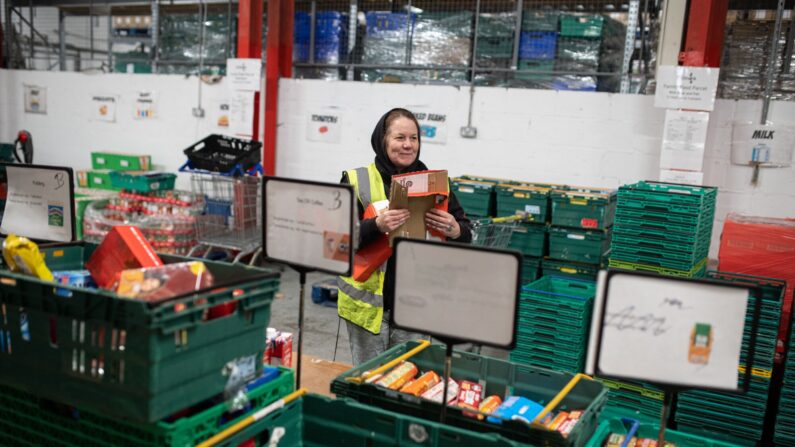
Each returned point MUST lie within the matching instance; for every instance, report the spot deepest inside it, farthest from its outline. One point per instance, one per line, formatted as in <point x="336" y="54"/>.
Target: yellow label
<point x="578" y="201"/>
<point x="521" y="195"/>
<point x="58" y="253"/>
<point x="568" y="270"/>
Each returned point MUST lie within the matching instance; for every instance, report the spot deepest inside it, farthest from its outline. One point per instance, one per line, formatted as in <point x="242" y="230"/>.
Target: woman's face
<point x="402" y="142"/>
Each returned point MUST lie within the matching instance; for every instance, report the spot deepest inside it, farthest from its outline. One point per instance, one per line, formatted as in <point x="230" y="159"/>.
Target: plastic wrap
<point x="761" y="246"/>
<point x="495" y="39"/>
<point x="167" y="220"/>
<point x="384" y="43"/>
<point x="744" y="66"/>
<point x="612" y="55"/>
<point x="180" y="37"/>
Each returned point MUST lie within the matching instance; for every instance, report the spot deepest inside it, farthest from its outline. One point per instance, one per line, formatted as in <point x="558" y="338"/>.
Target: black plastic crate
<point x="219" y="153"/>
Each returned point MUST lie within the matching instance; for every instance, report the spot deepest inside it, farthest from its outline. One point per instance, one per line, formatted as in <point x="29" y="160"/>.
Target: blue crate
<point x="387" y="23"/>
<point x="538" y="45"/>
<point x="329" y="25"/>
<point x="218" y="207"/>
<point x="325" y="52"/>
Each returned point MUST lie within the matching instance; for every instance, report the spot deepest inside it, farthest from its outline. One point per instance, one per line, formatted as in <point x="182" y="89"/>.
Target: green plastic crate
<point x="7" y="152"/>
<point x="697" y="271"/>
<point x="670" y="193"/>
<point x="529" y="239"/>
<point x="554" y="267"/>
<point x="534" y="70"/>
<point x="540" y="20"/>
<point x="651" y="431"/>
<point x="530" y="201"/>
<point x="476" y="197"/>
<point x="100" y="179"/>
<point x="578" y="245"/>
<point x="592" y="209"/>
<point x="500" y="377"/>
<point x="126" y="358"/>
<point x="142" y="181"/>
<point x="581" y="26"/>
<point x="24" y="418"/>
<point x="120" y="162"/>
<point x="321" y="421"/>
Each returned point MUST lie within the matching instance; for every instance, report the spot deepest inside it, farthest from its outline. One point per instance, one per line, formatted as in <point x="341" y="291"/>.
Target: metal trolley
<point x="232" y="220"/>
<point x="494" y="232"/>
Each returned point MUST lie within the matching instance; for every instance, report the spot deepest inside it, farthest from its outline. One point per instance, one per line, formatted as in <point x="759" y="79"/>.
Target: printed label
<point x="589" y="223"/>
<point x="532" y="209"/>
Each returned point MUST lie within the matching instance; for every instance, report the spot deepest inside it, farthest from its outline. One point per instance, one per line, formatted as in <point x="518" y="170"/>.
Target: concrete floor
<point x="320" y="322"/>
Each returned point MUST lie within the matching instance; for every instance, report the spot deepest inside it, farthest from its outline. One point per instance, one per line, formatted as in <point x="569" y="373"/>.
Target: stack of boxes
<point x="385" y="43"/>
<point x="443" y="39"/>
<point x="578" y="51"/>
<point x="579" y="237"/>
<point x="494" y="46"/>
<point x="736" y="418"/>
<point x="537" y="48"/>
<point x="331" y="41"/>
<point x="554" y="321"/>
<point x="785" y="423"/>
<point x="663" y="228"/>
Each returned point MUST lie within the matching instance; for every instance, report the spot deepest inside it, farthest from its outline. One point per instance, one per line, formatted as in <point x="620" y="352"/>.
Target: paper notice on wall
<point x="244" y="74"/>
<point x="768" y="145"/>
<point x="684" y="140"/>
<point x="682" y="177"/>
<point x="35" y="99"/>
<point x="103" y="108"/>
<point x="691" y="88"/>
<point x="433" y="126"/>
<point x="145" y="106"/>
<point x="241" y="114"/>
<point x="323" y="126"/>
<point x="219" y="114"/>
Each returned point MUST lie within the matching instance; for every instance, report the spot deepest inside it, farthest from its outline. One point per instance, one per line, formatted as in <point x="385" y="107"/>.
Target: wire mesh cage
<point x="493" y="232"/>
<point x="232" y="213"/>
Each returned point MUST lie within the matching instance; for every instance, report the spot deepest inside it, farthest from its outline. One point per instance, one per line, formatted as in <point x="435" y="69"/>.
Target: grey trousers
<point x="366" y="345"/>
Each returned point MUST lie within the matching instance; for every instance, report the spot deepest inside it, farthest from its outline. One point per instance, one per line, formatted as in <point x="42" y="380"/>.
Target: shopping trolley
<point x="232" y="220"/>
<point x="494" y="232"/>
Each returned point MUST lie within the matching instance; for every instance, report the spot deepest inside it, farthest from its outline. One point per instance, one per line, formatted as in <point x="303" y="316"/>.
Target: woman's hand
<point x="391" y="220"/>
<point x="443" y="222"/>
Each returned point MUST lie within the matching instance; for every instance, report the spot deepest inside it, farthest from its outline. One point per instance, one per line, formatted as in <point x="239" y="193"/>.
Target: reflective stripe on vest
<point x="362" y="302"/>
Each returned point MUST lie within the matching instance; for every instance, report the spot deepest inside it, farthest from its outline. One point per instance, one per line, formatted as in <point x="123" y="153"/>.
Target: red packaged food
<point x="123" y="248"/>
<point x="469" y="396"/>
<point x="161" y="283"/>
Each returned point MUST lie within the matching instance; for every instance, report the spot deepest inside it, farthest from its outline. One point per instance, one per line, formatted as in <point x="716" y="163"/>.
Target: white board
<point x="456" y="292"/>
<point x="668" y="331"/>
<point x="691" y="88"/>
<point x="308" y="224"/>
<point x="39" y="203"/>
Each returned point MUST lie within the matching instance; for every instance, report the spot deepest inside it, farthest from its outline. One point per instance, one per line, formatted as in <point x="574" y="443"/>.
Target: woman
<point x="365" y="305"/>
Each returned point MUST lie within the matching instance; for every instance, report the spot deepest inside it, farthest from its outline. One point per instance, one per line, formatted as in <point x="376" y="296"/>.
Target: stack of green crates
<point x="785" y="423"/>
<point x="26" y="419"/>
<point x="650" y="430"/>
<point x="732" y="417"/>
<point x="538" y="72"/>
<point x="664" y="228"/>
<point x="579" y="237"/>
<point x="637" y="400"/>
<point x="476" y="195"/>
<point x="496" y="32"/>
<point x="554" y="321"/>
<point x="578" y="50"/>
<point x="105" y="164"/>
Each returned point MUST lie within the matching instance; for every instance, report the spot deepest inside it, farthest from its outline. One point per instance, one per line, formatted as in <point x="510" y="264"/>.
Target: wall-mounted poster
<point x="103" y="108"/>
<point x="145" y="106"/>
<point x="35" y="99"/>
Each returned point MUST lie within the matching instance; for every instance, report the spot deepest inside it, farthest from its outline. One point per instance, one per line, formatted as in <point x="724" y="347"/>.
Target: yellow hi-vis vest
<point x="362" y="302"/>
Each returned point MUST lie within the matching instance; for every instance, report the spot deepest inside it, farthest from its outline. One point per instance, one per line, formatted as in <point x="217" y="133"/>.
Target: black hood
<point x="382" y="161"/>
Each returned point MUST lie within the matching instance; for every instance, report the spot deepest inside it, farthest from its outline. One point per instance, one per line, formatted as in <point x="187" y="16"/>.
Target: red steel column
<point x="706" y="24"/>
<point x="249" y="43"/>
<point x="278" y="63"/>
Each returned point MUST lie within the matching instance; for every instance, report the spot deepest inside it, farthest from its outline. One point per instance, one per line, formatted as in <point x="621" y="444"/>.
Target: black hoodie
<point x="368" y="231"/>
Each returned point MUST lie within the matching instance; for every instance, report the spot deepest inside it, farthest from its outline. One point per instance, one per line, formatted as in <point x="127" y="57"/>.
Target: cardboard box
<point x="123" y="248"/>
<point x="160" y="283"/>
<point x="278" y="348"/>
<point x="418" y="192"/>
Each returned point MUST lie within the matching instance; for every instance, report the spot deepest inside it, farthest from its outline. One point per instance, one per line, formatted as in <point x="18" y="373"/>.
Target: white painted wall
<point x="66" y="136"/>
<point x="588" y="139"/>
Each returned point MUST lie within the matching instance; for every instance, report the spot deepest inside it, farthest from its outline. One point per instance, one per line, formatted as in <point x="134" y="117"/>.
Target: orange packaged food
<point x="488" y="405"/>
<point x="422" y="384"/>
<point x="399" y="375"/>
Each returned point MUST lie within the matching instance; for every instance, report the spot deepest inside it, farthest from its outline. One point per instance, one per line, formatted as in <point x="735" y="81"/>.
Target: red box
<point x="123" y="248"/>
<point x="278" y="348"/>
<point x="761" y="246"/>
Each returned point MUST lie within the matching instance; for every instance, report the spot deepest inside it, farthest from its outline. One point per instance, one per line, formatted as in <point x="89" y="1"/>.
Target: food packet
<point x="23" y="256"/>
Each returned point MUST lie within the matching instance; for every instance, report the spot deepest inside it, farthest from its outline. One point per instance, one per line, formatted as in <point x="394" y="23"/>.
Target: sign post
<point x="675" y="333"/>
<point x="450" y="291"/>
<point x="308" y="226"/>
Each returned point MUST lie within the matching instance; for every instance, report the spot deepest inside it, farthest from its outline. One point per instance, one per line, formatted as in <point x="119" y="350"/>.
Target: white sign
<point x="433" y="127"/>
<point x="309" y="224"/>
<point x="691" y="88"/>
<point x="682" y="177"/>
<point x="668" y="331"/>
<point x="35" y="99"/>
<point x="451" y="291"/>
<point x="241" y="114"/>
<point x="767" y="145"/>
<point x="145" y="106"/>
<point x="103" y="108"/>
<point x="39" y="203"/>
<point x="244" y="74"/>
<point x="324" y="127"/>
<point x="684" y="140"/>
